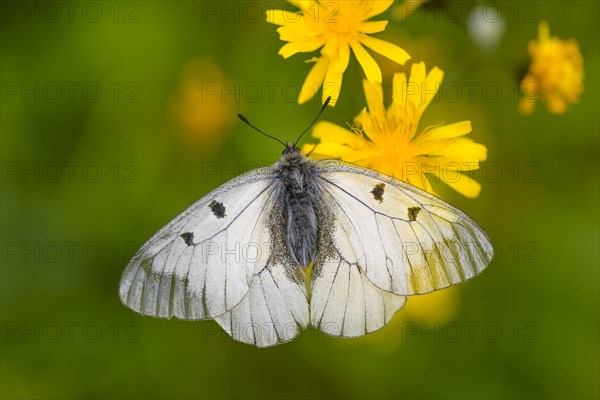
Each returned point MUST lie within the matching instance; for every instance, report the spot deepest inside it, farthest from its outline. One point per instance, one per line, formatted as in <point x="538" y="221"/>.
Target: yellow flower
<point x="335" y="27"/>
<point x="425" y="319"/>
<point x="198" y="107"/>
<point x="390" y="141"/>
<point x="555" y="74"/>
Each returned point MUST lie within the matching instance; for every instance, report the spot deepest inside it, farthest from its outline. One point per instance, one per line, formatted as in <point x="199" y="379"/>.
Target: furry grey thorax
<point x="301" y="199"/>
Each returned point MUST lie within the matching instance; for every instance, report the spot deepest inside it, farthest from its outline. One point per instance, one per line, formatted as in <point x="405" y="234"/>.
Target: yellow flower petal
<point x="313" y="81"/>
<point x="281" y="17"/>
<point x="430" y="88"/>
<point x="543" y="31"/>
<point x="399" y="88"/>
<point x="357" y="156"/>
<point x="417" y="73"/>
<point x="415" y="84"/>
<point x="327" y="131"/>
<point x="417" y="179"/>
<point x="291" y="48"/>
<point x="526" y="107"/>
<point x="296" y="33"/>
<point x="556" y="105"/>
<point x="374" y="96"/>
<point x="361" y="118"/>
<point x="339" y="63"/>
<point x="447" y="163"/>
<point x="332" y="86"/>
<point x="331" y="47"/>
<point x="368" y="64"/>
<point x="422" y="88"/>
<point x="446" y="131"/>
<point x="373" y="26"/>
<point x="462" y="184"/>
<point x="466" y="148"/>
<point x="459" y="164"/>
<point x="386" y="49"/>
<point x="332" y="150"/>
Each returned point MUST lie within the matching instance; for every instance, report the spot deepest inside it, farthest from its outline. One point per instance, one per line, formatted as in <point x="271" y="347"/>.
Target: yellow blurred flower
<point x="335" y="27"/>
<point x="431" y="312"/>
<point x="203" y="115"/>
<point x="439" y="306"/>
<point x="390" y="141"/>
<point x="555" y="74"/>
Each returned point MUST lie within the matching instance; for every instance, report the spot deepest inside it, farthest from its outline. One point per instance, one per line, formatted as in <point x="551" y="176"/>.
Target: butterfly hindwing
<point x="404" y="240"/>
<point x="345" y="303"/>
<point x="198" y="266"/>
<point x="274" y="311"/>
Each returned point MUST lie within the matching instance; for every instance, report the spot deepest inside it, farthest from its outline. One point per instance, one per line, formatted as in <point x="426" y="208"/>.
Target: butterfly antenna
<point x="240" y="116"/>
<point x="313" y="149"/>
<point x="315" y="120"/>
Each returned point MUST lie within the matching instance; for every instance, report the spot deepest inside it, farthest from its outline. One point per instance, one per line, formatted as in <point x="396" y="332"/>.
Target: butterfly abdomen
<point x="299" y="197"/>
<point x="301" y="230"/>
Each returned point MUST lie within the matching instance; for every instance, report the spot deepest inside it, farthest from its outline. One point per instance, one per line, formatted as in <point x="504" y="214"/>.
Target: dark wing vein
<point x="268" y="308"/>
<point x="426" y="259"/>
<point x="351" y="223"/>
<point x="330" y="290"/>
<point x="286" y="304"/>
<point x="407" y="258"/>
<point x="437" y="249"/>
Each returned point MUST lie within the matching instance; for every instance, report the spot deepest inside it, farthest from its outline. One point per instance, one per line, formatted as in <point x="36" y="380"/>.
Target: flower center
<point x="344" y="20"/>
<point x="395" y="154"/>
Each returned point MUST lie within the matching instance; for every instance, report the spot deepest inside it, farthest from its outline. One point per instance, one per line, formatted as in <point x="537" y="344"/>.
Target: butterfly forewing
<point x="201" y="264"/>
<point x="405" y="241"/>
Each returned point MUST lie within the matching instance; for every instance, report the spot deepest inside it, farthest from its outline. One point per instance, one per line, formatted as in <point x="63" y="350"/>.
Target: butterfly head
<point x="291" y="157"/>
<point x="290" y="148"/>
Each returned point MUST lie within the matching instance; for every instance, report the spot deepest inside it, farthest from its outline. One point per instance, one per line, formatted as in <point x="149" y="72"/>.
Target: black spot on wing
<point x="188" y="238"/>
<point x="378" y="192"/>
<point x="412" y="213"/>
<point x="217" y="208"/>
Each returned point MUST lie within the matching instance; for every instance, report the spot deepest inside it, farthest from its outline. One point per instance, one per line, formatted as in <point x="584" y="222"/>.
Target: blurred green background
<point x="117" y="115"/>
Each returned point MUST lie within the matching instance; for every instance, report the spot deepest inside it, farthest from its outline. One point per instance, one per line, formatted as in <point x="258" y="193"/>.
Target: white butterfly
<point x="243" y="254"/>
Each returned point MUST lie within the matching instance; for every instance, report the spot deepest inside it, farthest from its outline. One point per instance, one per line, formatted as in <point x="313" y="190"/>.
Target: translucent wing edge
<point x="274" y="311"/>
<point x="130" y="279"/>
<point x="344" y="303"/>
<point x="485" y="248"/>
